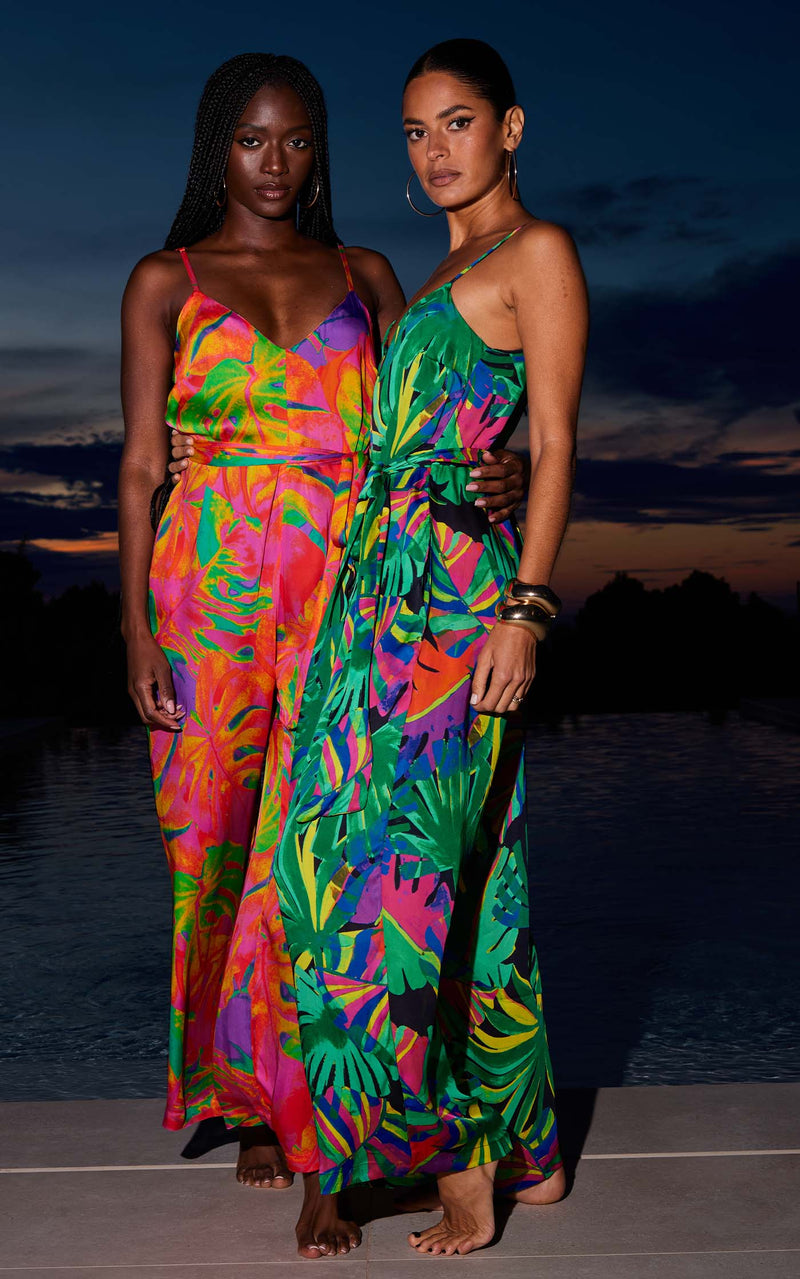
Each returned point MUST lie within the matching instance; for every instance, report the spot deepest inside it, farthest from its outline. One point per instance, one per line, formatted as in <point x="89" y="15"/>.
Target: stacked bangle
<point x="534" y="607"/>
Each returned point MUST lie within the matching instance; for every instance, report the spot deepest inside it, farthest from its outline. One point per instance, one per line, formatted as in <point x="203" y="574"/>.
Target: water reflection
<point x="665" y="876"/>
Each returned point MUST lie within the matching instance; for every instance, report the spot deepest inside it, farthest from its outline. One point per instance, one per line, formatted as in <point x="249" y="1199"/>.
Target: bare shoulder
<point x="543" y="245"/>
<point x="157" y="275"/>
<point x="370" y="264"/>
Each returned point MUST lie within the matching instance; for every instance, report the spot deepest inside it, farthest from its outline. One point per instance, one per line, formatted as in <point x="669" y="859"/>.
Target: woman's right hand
<point x="150" y="685"/>
<point x="181" y="446"/>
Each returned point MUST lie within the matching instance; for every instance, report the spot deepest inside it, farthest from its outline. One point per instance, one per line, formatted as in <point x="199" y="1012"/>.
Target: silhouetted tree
<point x="694" y="646"/>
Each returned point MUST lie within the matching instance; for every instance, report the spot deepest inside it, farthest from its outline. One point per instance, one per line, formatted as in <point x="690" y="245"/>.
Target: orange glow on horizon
<point x="102" y="544"/>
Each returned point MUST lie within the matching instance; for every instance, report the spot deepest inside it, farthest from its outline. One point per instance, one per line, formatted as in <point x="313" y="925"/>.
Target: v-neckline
<point x="448" y="284"/>
<point x="237" y="315"/>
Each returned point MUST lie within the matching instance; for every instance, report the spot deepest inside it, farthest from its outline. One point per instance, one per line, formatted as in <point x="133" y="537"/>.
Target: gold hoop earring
<point x="421" y="212"/>
<point x="315" y="196"/>
<point x="220" y="203"/>
<point x="511" y="174"/>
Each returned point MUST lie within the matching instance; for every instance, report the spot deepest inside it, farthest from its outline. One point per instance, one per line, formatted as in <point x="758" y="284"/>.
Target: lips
<point x="443" y="177"/>
<point x="271" y="192"/>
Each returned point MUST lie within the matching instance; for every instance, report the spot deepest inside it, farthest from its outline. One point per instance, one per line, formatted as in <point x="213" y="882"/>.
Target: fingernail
<point x="471" y="488"/>
<point x="473" y="473"/>
<point x="480" y="502"/>
<point x="474" y="698"/>
<point x="170" y="706"/>
<point x="492" y="518"/>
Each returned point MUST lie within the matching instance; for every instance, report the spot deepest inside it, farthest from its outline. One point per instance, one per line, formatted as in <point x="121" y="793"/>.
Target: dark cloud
<point x="23" y="517"/>
<point x="656" y="207"/>
<point x="94" y="461"/>
<point x="87" y="505"/>
<point x="653" y="492"/>
<point x="727" y="343"/>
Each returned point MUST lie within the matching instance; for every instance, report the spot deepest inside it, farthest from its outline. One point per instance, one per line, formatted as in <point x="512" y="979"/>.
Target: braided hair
<point x="225" y="96"/>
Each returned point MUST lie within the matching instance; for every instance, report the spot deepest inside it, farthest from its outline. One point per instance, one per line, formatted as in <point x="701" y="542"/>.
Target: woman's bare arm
<point x="548" y="295"/>
<point x="552" y="318"/>
<point x="147" y="370"/>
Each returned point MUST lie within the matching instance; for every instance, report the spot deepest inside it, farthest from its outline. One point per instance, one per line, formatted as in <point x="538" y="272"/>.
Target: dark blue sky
<point x="663" y="135"/>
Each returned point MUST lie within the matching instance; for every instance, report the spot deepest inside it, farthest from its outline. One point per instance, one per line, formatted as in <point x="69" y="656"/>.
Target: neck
<point x="490" y="214"/>
<point x="243" y="229"/>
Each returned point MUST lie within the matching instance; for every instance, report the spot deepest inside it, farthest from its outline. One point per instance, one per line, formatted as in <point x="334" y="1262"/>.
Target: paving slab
<point x="700" y="1117"/>
<point x="644" y="1206"/>
<point x="191" y="1216"/>
<point x="55" y="1133"/>
<point x="684" y="1212"/>
<point x="696" y="1117"/>
<point x="679" y="1265"/>
<point x="345" y="1269"/>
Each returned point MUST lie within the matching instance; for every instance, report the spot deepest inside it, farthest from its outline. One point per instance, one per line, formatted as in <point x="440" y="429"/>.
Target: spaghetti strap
<point x="486" y="254"/>
<point x="346" y="266"/>
<point x="189" y="271"/>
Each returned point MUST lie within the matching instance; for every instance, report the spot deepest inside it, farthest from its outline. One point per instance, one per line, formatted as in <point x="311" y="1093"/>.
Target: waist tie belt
<point x="368" y="634"/>
<point x="424" y="458"/>
<point x="208" y="452"/>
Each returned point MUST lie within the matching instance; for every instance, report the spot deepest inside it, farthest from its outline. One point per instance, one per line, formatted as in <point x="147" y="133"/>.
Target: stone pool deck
<point x="699" y="1182"/>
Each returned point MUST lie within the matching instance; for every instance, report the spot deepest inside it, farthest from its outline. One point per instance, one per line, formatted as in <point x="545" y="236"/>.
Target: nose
<point x="437" y="146"/>
<point x="273" y="160"/>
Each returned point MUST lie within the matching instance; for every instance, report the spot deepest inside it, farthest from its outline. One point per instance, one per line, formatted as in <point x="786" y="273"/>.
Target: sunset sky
<point x="663" y="135"/>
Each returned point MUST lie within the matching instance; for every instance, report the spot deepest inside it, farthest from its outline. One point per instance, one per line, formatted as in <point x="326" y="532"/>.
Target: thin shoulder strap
<point x="346" y="266"/>
<point x="188" y="265"/>
<point x="488" y="251"/>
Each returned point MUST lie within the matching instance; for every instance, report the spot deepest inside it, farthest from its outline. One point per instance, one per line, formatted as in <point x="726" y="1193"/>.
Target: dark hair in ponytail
<point x="225" y="96"/>
<point x="477" y="64"/>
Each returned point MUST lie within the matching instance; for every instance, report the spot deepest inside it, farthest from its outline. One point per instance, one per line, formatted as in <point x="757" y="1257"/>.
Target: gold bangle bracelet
<point x="522" y="592"/>
<point x="523" y="611"/>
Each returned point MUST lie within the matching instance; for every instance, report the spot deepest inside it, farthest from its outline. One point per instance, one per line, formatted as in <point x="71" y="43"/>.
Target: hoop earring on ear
<point x="421" y="212"/>
<point x="511" y="174"/>
<point x="315" y="196"/>
<point x="220" y="203"/>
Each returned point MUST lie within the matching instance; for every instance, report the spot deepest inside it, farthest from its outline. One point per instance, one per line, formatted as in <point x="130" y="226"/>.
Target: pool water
<point x="665" y="863"/>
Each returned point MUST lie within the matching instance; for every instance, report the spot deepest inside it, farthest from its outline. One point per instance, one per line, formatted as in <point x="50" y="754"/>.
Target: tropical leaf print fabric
<point x="245" y="558"/>
<point x="402" y="872"/>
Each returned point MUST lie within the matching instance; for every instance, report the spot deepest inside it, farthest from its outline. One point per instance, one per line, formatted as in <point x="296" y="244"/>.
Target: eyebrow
<point x="460" y="106"/>
<point x="261" y="128"/>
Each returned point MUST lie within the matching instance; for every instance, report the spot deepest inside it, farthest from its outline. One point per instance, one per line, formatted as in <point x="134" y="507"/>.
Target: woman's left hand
<point x="505" y="669"/>
<point x="499" y="482"/>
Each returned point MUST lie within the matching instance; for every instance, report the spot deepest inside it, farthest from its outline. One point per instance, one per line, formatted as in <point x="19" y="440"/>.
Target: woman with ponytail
<point x="252" y="332"/>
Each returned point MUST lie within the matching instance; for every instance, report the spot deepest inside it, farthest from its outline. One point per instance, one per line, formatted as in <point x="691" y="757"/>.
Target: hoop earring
<point x="221" y="203"/>
<point x="511" y="174"/>
<point x="421" y="212"/>
<point x="317" y="189"/>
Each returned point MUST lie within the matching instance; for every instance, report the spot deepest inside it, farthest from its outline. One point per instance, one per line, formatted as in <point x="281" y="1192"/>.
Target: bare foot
<point x="428" y="1199"/>
<point x="468" y="1220"/>
<point x="261" y="1161"/>
<point x="320" y="1230"/>
<point x="546" y="1192"/>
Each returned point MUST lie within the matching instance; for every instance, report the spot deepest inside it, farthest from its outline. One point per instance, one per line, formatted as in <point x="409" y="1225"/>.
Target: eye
<point x="249" y="142"/>
<point x="414" y="135"/>
<point x="300" y="144"/>
<point x="460" y="122"/>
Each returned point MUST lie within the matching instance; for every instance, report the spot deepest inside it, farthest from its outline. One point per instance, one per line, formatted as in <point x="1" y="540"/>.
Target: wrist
<point x="135" y="628"/>
<point x="531" y="628"/>
<point x="532" y="606"/>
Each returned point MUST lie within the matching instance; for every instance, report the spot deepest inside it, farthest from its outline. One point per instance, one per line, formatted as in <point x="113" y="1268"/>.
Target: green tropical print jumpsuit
<point x="402" y="873"/>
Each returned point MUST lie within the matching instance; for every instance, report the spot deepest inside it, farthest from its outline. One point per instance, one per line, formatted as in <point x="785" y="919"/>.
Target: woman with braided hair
<point x="252" y="332"/>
